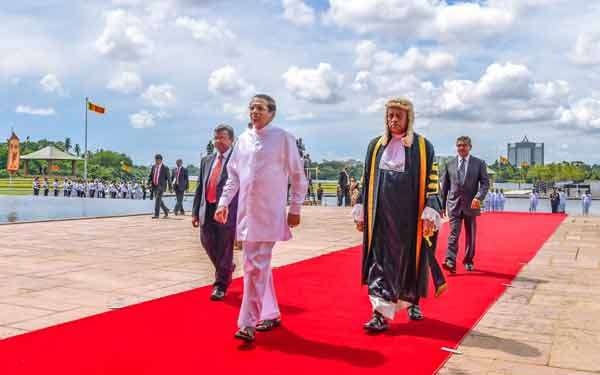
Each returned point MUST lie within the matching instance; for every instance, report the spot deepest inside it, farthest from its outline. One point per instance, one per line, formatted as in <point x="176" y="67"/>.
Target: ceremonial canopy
<point x="50" y="154"/>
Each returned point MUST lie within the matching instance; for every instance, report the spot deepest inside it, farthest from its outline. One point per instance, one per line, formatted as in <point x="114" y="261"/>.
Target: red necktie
<point x="156" y="174"/>
<point x="177" y="178"/>
<point x="211" y="191"/>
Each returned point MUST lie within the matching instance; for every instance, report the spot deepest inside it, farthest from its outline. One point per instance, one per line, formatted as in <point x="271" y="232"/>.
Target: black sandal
<point x="377" y="323"/>
<point x="268" y="324"/>
<point x="414" y="313"/>
<point x="245" y="334"/>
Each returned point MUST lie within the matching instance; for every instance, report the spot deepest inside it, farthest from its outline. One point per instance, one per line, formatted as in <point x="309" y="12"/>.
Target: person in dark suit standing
<point x="344" y="184"/>
<point x="159" y="180"/>
<point x="217" y="239"/>
<point x="464" y="186"/>
<point x="181" y="182"/>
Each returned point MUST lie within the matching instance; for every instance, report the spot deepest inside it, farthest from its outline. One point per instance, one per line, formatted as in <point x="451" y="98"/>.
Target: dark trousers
<point x="179" y="202"/>
<point x="470" y="240"/>
<point x="218" y="240"/>
<point x="158" y="202"/>
<point x="344" y="196"/>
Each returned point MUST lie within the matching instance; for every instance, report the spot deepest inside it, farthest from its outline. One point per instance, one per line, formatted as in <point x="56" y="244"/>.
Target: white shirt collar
<point x="225" y="155"/>
<point x="466" y="159"/>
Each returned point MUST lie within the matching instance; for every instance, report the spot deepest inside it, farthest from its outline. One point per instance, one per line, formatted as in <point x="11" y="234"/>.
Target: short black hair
<point x="227" y="128"/>
<point x="465" y="139"/>
<point x="271" y="105"/>
<point x="158" y="157"/>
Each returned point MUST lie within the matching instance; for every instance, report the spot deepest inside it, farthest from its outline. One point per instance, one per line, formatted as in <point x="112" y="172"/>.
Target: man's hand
<point x="221" y="215"/>
<point x="476" y="204"/>
<point x="360" y="226"/>
<point x="293" y="220"/>
<point x="195" y="221"/>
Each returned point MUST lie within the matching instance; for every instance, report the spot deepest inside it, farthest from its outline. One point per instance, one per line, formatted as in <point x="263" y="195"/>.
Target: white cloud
<point x="297" y="12"/>
<point x="142" y="119"/>
<point x="125" y="82"/>
<point x="124" y="37"/>
<point x="421" y="18"/>
<point x="204" y="31"/>
<point x="321" y="85"/>
<point x="368" y="57"/>
<point x="239" y="111"/>
<point x="50" y="83"/>
<point x="583" y="114"/>
<point x="160" y="95"/>
<point x="25" y="109"/>
<point x="227" y="81"/>
<point x="299" y="116"/>
<point x="587" y="49"/>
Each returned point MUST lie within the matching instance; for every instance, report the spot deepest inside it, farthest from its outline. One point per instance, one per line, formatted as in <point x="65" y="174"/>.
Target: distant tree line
<point x="553" y="172"/>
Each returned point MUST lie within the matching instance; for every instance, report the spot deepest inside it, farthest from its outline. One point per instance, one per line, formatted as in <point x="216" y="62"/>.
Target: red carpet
<point x="324" y="308"/>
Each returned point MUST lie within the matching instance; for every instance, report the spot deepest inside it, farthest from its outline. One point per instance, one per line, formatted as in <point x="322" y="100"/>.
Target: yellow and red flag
<point x="96" y="108"/>
<point x="55" y="168"/>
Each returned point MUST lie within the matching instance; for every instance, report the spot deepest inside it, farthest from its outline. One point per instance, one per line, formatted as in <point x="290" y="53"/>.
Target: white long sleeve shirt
<point x="259" y="168"/>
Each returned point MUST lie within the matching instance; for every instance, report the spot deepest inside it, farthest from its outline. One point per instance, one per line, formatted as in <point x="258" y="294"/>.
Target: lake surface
<point x="522" y="205"/>
<point x="29" y="208"/>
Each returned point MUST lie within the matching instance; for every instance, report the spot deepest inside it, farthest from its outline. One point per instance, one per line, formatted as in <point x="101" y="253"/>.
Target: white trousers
<point x="259" y="301"/>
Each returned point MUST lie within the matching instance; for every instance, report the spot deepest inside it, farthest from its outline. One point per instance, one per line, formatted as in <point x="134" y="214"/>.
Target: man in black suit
<point x="180" y="185"/>
<point x="217" y="239"/>
<point x="159" y="180"/>
<point x="344" y="184"/>
<point x="464" y="186"/>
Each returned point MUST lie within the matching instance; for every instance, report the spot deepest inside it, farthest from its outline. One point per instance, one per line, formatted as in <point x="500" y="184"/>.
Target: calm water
<point x="29" y="208"/>
<point x="522" y="205"/>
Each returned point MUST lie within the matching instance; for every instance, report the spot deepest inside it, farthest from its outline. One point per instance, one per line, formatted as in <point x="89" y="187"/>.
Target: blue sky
<point x="169" y="71"/>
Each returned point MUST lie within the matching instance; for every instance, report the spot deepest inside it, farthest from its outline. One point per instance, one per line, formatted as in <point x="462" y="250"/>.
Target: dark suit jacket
<point x="183" y="182"/>
<point x="457" y="197"/>
<point x="200" y="203"/>
<point x="343" y="179"/>
<point x="164" y="178"/>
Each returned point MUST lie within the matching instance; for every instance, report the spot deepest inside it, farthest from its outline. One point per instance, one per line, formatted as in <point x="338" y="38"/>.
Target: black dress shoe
<point x="245" y="334"/>
<point x="155" y="217"/>
<point x="449" y="266"/>
<point x="166" y="215"/>
<point x="267" y="325"/>
<point x="415" y="313"/>
<point x="377" y="323"/>
<point x="217" y="294"/>
<point x="469" y="267"/>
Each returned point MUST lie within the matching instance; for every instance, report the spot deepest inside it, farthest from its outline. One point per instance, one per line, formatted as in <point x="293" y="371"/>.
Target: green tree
<point x="77" y="149"/>
<point x="67" y="144"/>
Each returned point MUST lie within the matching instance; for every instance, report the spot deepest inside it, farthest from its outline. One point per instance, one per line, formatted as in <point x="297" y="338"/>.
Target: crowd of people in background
<point x="97" y="188"/>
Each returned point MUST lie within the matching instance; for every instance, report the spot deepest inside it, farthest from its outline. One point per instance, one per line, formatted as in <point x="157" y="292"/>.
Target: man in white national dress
<point x="261" y="163"/>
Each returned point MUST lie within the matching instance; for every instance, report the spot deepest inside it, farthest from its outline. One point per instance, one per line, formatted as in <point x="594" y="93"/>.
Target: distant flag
<point x="503" y="160"/>
<point x="55" y="168"/>
<point x="125" y="167"/>
<point x="96" y="108"/>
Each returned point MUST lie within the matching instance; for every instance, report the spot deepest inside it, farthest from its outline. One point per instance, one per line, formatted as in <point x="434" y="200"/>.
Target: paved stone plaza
<point x="54" y="272"/>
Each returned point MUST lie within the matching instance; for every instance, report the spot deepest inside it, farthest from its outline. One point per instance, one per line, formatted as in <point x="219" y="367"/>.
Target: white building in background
<point x="525" y="152"/>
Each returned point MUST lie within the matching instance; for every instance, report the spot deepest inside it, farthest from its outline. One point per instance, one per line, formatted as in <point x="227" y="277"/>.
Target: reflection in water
<point x="12" y="217"/>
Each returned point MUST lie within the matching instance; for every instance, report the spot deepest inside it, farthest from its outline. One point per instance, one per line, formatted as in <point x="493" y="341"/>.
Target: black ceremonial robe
<point x="397" y="259"/>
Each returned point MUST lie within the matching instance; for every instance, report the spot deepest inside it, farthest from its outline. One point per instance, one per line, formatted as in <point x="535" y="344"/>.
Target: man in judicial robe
<point x="400" y="218"/>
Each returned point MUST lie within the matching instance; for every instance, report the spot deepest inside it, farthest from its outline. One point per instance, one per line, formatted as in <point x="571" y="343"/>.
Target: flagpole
<point x="85" y="143"/>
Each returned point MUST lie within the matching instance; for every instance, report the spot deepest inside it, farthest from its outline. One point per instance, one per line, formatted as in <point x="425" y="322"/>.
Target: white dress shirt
<point x="458" y="158"/>
<point x="259" y="168"/>
<point x="394" y="156"/>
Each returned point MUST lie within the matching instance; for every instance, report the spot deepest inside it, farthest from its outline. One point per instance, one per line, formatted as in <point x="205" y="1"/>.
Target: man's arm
<point x="186" y="178"/>
<point x="445" y="187"/>
<point x="484" y="181"/>
<point x="150" y="176"/>
<point x="168" y="175"/>
<point x="433" y="207"/>
<point x="232" y="186"/>
<point x="199" y="191"/>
